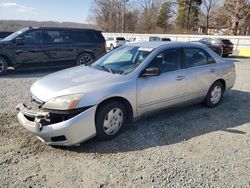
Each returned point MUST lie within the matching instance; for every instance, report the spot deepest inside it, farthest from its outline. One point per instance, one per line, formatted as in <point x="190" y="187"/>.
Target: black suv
<point x="50" y="47"/>
<point x="223" y="47"/>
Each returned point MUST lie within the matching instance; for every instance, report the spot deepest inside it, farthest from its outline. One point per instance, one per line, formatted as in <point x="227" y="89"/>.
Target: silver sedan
<point x="127" y="83"/>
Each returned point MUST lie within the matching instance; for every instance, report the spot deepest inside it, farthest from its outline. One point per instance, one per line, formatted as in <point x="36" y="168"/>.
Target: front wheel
<point x="3" y="66"/>
<point x="110" y="120"/>
<point x="214" y="95"/>
<point x="85" y="59"/>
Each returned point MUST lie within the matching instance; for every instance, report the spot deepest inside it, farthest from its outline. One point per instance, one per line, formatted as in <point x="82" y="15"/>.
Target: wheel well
<point x="124" y="101"/>
<point x="6" y="59"/>
<point x="222" y="82"/>
<point x="86" y="53"/>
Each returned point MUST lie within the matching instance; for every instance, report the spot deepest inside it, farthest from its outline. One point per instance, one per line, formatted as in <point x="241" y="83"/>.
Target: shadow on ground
<point x="238" y="57"/>
<point x="176" y="125"/>
<point x="29" y="73"/>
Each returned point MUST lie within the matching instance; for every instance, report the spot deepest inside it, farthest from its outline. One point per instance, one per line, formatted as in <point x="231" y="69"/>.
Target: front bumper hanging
<point x="70" y="131"/>
<point x="31" y="120"/>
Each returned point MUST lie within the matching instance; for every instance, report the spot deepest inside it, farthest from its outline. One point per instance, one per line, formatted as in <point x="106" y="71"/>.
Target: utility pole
<point x="123" y="16"/>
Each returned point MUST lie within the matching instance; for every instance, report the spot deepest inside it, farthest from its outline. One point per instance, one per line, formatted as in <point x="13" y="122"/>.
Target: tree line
<point x="171" y="16"/>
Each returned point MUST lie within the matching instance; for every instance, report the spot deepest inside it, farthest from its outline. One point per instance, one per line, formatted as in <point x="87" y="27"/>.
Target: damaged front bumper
<point x="70" y="131"/>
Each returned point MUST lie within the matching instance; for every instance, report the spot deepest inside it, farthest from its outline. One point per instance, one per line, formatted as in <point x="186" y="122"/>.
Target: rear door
<point x="58" y="47"/>
<point x="201" y="72"/>
<point x="90" y="41"/>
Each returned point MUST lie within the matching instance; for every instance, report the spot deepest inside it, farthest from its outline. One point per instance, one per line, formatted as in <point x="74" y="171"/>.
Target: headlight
<point x="67" y="102"/>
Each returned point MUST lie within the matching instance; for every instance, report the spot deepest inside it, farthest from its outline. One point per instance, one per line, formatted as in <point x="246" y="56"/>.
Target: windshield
<point x="122" y="60"/>
<point x="14" y="35"/>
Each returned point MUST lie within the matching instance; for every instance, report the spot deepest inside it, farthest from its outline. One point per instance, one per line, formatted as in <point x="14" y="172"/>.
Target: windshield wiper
<point x="106" y="68"/>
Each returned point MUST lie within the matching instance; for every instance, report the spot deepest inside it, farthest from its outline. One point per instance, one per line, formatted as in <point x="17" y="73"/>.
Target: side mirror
<point x="19" y="41"/>
<point x="151" y="71"/>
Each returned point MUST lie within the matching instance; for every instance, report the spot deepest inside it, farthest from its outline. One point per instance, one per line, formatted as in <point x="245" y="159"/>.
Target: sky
<point x="46" y="10"/>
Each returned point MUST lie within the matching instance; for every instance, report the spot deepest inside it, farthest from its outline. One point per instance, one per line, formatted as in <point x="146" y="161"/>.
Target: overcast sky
<point x="45" y="10"/>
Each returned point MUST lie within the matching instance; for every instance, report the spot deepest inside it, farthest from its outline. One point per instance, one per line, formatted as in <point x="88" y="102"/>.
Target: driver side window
<point x="167" y="61"/>
<point x="33" y="37"/>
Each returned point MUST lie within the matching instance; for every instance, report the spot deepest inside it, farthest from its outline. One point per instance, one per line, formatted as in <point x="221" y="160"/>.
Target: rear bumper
<point x="227" y="51"/>
<point x="73" y="131"/>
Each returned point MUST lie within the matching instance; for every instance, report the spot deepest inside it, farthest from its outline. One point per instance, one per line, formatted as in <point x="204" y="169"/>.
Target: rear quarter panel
<point x="226" y="70"/>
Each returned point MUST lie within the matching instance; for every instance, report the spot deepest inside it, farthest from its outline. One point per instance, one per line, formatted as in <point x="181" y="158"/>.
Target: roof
<point x="64" y="28"/>
<point x="161" y="44"/>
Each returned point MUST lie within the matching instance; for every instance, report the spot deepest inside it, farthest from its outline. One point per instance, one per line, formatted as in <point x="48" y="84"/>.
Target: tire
<point x="84" y="59"/>
<point x="214" y="95"/>
<point x="110" y="120"/>
<point x="3" y="66"/>
<point x="111" y="47"/>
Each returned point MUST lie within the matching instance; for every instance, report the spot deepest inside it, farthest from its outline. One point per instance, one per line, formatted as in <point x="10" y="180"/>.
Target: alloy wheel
<point x="85" y="60"/>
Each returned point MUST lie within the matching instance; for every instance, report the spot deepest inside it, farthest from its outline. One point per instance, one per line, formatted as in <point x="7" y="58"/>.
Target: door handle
<point x="212" y="70"/>
<point x="179" y="78"/>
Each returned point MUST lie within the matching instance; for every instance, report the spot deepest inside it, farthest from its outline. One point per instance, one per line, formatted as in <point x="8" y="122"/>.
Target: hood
<point x="4" y="43"/>
<point x="79" y="79"/>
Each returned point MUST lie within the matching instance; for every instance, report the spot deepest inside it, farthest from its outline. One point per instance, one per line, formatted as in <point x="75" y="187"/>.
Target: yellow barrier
<point x="244" y="52"/>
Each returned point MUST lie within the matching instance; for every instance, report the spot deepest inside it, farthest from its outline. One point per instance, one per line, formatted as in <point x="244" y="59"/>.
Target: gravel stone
<point x="192" y="146"/>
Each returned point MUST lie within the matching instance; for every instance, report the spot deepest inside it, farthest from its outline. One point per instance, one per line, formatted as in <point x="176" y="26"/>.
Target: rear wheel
<point x="3" y="66"/>
<point x="214" y="95"/>
<point x="110" y="119"/>
<point x="85" y="59"/>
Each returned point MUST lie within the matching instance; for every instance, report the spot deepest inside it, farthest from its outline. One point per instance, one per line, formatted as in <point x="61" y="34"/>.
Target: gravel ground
<point x="187" y="147"/>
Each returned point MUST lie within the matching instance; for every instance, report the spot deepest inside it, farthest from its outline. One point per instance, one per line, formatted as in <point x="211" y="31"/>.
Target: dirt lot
<point x="192" y="146"/>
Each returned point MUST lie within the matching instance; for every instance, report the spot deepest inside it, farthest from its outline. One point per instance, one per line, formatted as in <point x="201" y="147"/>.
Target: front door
<point x="30" y="52"/>
<point x="157" y="92"/>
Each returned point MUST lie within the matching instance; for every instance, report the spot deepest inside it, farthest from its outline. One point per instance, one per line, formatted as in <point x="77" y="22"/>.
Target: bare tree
<point x="237" y="11"/>
<point x="208" y="6"/>
<point x="149" y="12"/>
<point x="108" y="15"/>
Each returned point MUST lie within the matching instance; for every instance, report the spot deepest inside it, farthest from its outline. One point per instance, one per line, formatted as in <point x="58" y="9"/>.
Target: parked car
<point x="4" y="34"/>
<point x="223" y="47"/>
<point x="166" y="39"/>
<point x="114" y="42"/>
<point x="50" y="47"/>
<point x="131" y="39"/>
<point x="146" y="39"/>
<point x="124" y="85"/>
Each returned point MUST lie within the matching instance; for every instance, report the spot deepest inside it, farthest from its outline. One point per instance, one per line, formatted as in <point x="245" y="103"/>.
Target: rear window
<point x="69" y="36"/>
<point x="154" y="39"/>
<point x="166" y="39"/>
<point x="120" y="38"/>
<point x="226" y="41"/>
<point x="110" y="39"/>
<point x="86" y="36"/>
